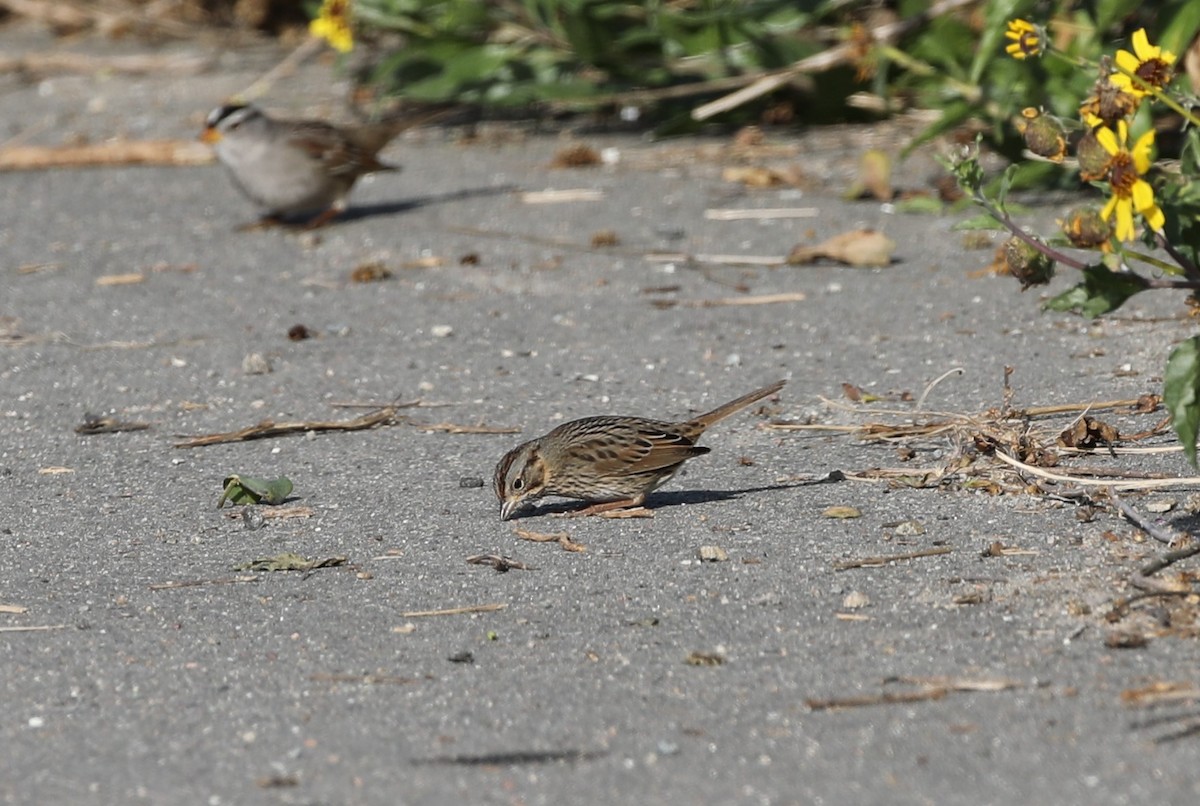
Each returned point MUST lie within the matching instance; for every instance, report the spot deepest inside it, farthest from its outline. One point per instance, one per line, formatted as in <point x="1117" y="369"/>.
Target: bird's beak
<point x="511" y="507"/>
<point x="210" y="135"/>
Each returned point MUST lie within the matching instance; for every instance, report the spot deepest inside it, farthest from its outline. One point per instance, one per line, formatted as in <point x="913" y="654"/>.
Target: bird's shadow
<point x="660" y="500"/>
<point x="357" y="212"/>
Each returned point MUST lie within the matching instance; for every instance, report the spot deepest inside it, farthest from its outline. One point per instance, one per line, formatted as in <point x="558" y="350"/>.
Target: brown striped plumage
<point x="613" y="462"/>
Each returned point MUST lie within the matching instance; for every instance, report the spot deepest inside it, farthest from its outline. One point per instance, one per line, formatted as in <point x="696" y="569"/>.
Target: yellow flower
<point x="1026" y="39"/>
<point x="1130" y="192"/>
<point x="333" y="25"/>
<point x="1150" y="63"/>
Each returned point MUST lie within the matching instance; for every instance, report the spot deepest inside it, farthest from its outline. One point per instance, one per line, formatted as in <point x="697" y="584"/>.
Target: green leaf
<point x="1181" y="29"/>
<point x="250" y="490"/>
<point x="1181" y="394"/>
<point x="1100" y="292"/>
<point x="983" y="221"/>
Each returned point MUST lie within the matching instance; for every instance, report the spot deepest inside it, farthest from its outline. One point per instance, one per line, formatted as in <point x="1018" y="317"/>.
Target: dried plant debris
<point x="1088" y="433"/>
<point x="928" y="689"/>
<point x="1007" y="449"/>
<point x="385" y="416"/>
<point x="876" y="562"/>
<point x="699" y="658"/>
<point x="723" y="302"/>
<point x="604" y="238"/>
<point x="761" y="176"/>
<point x="290" y="561"/>
<point x="458" y="428"/>
<point x="105" y="424"/>
<point x="455" y="611"/>
<point x="239" y="490"/>
<point x="874" y="177"/>
<point x="577" y="155"/>
<point x="370" y="272"/>
<point x="561" y="538"/>
<point x="841" y="512"/>
<point x="862" y="247"/>
<point x="499" y="562"/>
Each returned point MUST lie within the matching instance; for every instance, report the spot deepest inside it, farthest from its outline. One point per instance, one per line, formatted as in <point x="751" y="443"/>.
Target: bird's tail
<point x="734" y="406"/>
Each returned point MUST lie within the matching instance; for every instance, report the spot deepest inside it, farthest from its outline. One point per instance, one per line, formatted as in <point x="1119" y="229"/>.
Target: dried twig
<point x="197" y="583"/>
<point x="761" y="299"/>
<point x="1139" y="484"/>
<point x="363" y="679"/>
<point x="500" y="563"/>
<point x="383" y="417"/>
<point x="273" y="513"/>
<point x="98" y="424"/>
<point x="933" y="688"/>
<point x="727" y="260"/>
<point x="561" y="538"/>
<point x="118" y="152"/>
<point x="130" y="64"/>
<point x="933" y="693"/>
<point x="455" y="428"/>
<point x="1141" y="522"/>
<point x="553" y="196"/>
<point x="455" y="611"/>
<point x="750" y="214"/>
<point x="874" y="562"/>
<point x="824" y="60"/>
<point x="35" y="628"/>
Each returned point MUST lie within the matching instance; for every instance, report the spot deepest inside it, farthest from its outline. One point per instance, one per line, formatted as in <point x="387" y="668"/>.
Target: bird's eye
<point x="518" y="484"/>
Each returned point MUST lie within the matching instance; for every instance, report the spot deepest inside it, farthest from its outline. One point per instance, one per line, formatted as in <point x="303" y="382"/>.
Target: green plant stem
<point x="1190" y="270"/>
<point x="969" y="92"/>
<point x="1150" y="89"/>
<point x="1047" y="250"/>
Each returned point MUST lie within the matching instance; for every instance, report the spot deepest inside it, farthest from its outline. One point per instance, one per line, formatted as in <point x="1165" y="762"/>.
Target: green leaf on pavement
<point x="249" y="490"/>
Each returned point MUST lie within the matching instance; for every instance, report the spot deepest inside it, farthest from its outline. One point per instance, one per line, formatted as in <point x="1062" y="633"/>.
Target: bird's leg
<point x="607" y="506"/>
<point x="266" y="222"/>
<point x="323" y="219"/>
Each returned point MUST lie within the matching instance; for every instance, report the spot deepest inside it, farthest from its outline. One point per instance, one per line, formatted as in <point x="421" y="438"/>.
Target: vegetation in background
<point x="1037" y="90"/>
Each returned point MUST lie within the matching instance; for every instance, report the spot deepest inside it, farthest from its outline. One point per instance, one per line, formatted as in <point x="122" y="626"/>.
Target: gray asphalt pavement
<point x="595" y="678"/>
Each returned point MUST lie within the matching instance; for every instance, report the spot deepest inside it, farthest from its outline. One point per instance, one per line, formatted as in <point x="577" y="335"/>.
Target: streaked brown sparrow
<point x="613" y="462"/>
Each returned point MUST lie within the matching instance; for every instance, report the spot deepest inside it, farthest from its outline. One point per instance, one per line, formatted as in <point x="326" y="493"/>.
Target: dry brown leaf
<point x="855" y="248"/>
<point x="874" y="177"/>
<point x="752" y="176"/>
<point x="370" y="272"/>
<point x="841" y="512"/>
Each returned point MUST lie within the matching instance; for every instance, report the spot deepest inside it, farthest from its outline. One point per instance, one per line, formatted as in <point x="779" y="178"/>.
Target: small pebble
<point x="256" y="364"/>
<point x="467" y="482"/>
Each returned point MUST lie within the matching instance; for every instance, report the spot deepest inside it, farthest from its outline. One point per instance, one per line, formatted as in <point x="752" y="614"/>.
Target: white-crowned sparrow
<point x="294" y="168"/>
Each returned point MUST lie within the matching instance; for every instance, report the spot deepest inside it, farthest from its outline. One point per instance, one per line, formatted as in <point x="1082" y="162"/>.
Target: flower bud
<point x="1094" y="160"/>
<point x="1085" y="229"/>
<point x="1044" y="135"/>
<point x="1026" y="263"/>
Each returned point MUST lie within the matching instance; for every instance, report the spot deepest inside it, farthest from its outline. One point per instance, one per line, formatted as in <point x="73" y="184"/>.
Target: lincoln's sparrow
<point x="614" y="462"/>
